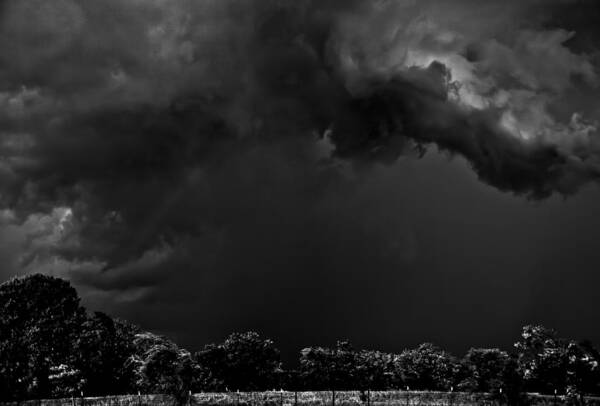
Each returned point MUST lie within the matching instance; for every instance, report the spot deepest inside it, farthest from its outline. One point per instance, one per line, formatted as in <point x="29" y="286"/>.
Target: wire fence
<point x="318" y="398"/>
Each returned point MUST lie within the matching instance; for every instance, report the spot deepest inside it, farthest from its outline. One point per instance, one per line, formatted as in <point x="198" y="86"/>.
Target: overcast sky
<point x="390" y="172"/>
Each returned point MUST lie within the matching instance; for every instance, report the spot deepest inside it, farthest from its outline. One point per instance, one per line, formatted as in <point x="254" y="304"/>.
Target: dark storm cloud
<point x="150" y="147"/>
<point x="94" y="91"/>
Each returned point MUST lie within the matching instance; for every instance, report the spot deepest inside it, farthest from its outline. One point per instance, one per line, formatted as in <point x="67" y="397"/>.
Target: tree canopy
<point x="40" y="318"/>
<point x="51" y="346"/>
<point x="245" y="361"/>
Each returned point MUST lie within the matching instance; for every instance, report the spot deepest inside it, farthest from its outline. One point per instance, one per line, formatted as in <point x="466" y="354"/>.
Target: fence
<point x="283" y="398"/>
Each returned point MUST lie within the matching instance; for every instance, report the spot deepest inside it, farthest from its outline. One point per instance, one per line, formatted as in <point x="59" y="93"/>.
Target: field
<point x="277" y="398"/>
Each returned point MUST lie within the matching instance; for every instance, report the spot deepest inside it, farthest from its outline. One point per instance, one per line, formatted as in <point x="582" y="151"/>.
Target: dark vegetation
<point x="50" y="346"/>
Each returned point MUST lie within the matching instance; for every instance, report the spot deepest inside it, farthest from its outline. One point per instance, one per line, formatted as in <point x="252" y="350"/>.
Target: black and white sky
<point x="387" y="171"/>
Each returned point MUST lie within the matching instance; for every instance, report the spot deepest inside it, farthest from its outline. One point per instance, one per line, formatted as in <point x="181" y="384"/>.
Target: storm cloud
<point x="155" y="150"/>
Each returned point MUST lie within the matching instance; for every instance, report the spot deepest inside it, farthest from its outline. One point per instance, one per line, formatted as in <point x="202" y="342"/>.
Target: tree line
<point x="50" y="346"/>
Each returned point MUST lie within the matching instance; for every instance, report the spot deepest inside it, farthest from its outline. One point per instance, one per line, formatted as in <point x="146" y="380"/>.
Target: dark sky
<point x="390" y="172"/>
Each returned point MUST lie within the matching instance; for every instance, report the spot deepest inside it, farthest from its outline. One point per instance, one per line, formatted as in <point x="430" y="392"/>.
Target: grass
<point x="278" y="398"/>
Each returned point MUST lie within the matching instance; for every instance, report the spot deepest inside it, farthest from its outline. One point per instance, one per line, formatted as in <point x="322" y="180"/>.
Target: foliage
<point x="40" y="317"/>
<point x="375" y="370"/>
<point x="161" y="367"/>
<point x="426" y="367"/>
<point x="483" y="370"/>
<point x="51" y="347"/>
<point x="245" y="361"/>
<point x="583" y="369"/>
<point x="493" y="371"/>
<point x="343" y="368"/>
<point x="65" y="381"/>
<point x="329" y="368"/>
<point x="103" y="348"/>
<point x="543" y="360"/>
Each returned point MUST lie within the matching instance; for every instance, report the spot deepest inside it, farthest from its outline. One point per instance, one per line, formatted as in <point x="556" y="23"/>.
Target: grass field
<point x="277" y="398"/>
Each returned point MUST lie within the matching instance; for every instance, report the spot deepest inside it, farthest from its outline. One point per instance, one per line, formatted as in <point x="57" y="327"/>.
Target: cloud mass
<point x="222" y="140"/>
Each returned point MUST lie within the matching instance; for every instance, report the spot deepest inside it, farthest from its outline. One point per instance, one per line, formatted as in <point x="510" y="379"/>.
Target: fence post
<point x="295" y="398"/>
<point x="333" y="397"/>
<point x="82" y="400"/>
<point x="368" y="397"/>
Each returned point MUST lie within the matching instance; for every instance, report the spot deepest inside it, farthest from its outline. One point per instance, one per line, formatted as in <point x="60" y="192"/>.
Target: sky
<point x="389" y="171"/>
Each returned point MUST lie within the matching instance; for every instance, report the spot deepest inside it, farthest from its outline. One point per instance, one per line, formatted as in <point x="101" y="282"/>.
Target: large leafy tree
<point x="375" y="370"/>
<point x="245" y="361"/>
<point x="103" y="348"/>
<point x="426" y="367"/>
<point x="329" y="368"/>
<point x="494" y="371"/>
<point x="14" y="366"/>
<point x="550" y="363"/>
<point x="543" y="359"/>
<point x="483" y="370"/>
<point x="583" y="369"/>
<point x="40" y="317"/>
<point x="162" y="367"/>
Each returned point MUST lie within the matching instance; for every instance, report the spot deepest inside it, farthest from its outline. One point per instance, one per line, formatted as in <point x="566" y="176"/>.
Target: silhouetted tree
<point x="543" y="360"/>
<point x="103" y="348"/>
<point x="40" y="317"/>
<point x="483" y="370"/>
<point x="50" y="346"/>
<point x="426" y="367"/>
<point x="583" y="369"/>
<point x="548" y="362"/>
<point x="245" y="361"/>
<point x="375" y="370"/>
<point x="329" y="368"/>
<point x="493" y="371"/>
<point x="161" y="367"/>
